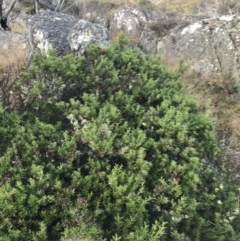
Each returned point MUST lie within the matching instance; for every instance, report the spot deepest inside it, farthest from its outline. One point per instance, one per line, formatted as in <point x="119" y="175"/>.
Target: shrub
<point x="108" y="146"/>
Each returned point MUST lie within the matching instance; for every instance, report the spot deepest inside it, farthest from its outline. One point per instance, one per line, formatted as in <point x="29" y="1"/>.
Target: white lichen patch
<point x="227" y="18"/>
<point x="39" y="35"/>
<point x="192" y="28"/>
<point x="42" y="43"/>
<point x="230" y="46"/>
<point x="135" y="11"/>
<point x="120" y="19"/>
<point x="80" y="40"/>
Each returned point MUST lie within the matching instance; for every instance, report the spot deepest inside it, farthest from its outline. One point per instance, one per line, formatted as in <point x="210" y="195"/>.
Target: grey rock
<point x="49" y="30"/>
<point x="64" y="33"/>
<point x="148" y="41"/>
<point x="85" y="33"/>
<point x="128" y="20"/>
<point x="212" y="45"/>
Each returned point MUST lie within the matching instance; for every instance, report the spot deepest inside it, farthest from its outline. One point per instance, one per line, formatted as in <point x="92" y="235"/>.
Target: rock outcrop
<point x="49" y="30"/>
<point x="212" y="45"/>
<point x="64" y="33"/>
<point x="85" y="33"/>
<point x="148" y="41"/>
<point x="131" y="21"/>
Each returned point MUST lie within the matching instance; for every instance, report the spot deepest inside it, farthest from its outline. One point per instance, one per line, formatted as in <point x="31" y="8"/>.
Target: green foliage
<point x="107" y="147"/>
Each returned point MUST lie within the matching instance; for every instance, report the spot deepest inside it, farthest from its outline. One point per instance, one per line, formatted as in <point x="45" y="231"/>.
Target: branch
<point x="67" y="8"/>
<point x="36" y="6"/>
<point x="46" y="4"/>
<point x="1" y="3"/>
<point x="9" y="10"/>
<point x="62" y="3"/>
<point x="58" y="5"/>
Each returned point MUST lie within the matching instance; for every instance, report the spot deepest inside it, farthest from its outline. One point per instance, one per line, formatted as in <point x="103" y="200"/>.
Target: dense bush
<point x="107" y="146"/>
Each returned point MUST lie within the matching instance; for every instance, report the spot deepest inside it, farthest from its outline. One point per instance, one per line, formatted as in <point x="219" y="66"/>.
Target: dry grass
<point x="12" y="61"/>
<point x="219" y="95"/>
<point x="15" y="57"/>
<point x="185" y="6"/>
<point x="19" y="28"/>
<point x="182" y="5"/>
<point x="147" y="4"/>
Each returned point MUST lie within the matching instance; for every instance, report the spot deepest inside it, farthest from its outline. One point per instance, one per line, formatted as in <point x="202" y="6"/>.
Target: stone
<point x="130" y="21"/>
<point x="85" y="33"/>
<point x="49" y="29"/>
<point x="148" y="41"/>
<point x="211" y="45"/>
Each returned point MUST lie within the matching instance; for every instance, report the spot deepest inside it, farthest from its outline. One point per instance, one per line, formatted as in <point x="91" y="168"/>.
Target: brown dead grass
<point x="19" y="28"/>
<point x="183" y="5"/>
<point x="12" y="61"/>
<point x="180" y="5"/>
<point x="15" y="57"/>
<point x="218" y="95"/>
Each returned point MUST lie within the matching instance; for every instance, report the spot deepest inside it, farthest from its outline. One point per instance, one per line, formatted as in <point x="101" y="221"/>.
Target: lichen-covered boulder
<point x="85" y="33"/>
<point x="128" y="20"/>
<point x="64" y="33"/>
<point x="155" y="30"/>
<point x="211" y="45"/>
<point x="49" y="29"/>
